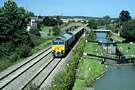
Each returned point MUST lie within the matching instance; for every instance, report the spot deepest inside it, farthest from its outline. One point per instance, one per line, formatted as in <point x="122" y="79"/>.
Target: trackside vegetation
<point x="65" y="79"/>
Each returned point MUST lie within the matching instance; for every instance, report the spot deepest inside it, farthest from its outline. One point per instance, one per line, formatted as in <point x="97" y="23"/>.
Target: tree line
<point x="124" y="25"/>
<point x="13" y="34"/>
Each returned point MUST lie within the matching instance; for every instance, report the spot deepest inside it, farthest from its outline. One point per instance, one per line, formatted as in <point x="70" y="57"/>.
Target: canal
<point x="117" y="77"/>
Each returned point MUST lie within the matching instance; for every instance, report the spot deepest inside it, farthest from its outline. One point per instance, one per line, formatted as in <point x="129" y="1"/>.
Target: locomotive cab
<point x="58" y="47"/>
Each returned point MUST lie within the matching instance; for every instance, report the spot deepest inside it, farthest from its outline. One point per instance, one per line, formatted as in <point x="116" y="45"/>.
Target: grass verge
<point x="117" y="38"/>
<point x="89" y="68"/>
<point x="127" y="49"/>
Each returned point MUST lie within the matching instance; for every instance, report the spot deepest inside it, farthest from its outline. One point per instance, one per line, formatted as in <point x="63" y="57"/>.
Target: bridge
<point x="104" y="43"/>
<point x="101" y="30"/>
<point x="119" y="59"/>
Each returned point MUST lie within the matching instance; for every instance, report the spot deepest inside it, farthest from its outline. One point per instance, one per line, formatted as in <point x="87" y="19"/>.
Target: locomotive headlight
<point x="62" y="48"/>
<point x="53" y="48"/>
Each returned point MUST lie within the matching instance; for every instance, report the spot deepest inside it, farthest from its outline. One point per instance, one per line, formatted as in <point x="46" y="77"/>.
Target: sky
<point x="94" y="8"/>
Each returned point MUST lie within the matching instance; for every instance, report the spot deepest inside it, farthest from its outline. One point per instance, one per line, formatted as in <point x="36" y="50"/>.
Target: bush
<point x="40" y="47"/>
<point x="7" y="61"/>
<point x="14" y="57"/>
<point x="90" y="35"/>
<point x="56" y="30"/>
<point x="35" y="32"/>
<point x="6" y="48"/>
<point x="24" y="50"/>
<point x="37" y="40"/>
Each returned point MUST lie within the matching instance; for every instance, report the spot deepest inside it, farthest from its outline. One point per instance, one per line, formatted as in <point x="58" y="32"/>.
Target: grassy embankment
<point x="45" y="41"/>
<point x="89" y="68"/>
<point x="39" y="42"/>
<point x="116" y="38"/>
<point x="127" y="49"/>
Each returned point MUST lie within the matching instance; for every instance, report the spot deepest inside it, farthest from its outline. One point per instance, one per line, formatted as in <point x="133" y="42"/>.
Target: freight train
<point x="63" y="44"/>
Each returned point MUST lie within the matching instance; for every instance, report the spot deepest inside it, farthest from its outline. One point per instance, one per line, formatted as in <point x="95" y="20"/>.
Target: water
<point x="101" y="37"/>
<point x="118" y="77"/>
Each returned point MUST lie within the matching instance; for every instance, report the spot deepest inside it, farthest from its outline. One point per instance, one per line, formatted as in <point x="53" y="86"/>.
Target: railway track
<point x="41" y="77"/>
<point x="11" y="76"/>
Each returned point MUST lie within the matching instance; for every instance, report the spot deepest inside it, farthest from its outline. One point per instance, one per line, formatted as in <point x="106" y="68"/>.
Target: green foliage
<point x="66" y="78"/>
<point x="15" y="41"/>
<point x="124" y="16"/>
<point x="93" y="48"/>
<point x="89" y="68"/>
<point x="13" y="21"/>
<point x="113" y="27"/>
<point x="35" y="32"/>
<point x="92" y="24"/>
<point x="88" y="71"/>
<point x="128" y="30"/>
<point x="50" y="21"/>
<point x="24" y="50"/>
<point x="6" y="48"/>
<point x="104" y="21"/>
<point x="90" y="35"/>
<point x="127" y="49"/>
<point x="56" y="30"/>
<point x="41" y="46"/>
<point x="6" y="61"/>
<point x="117" y="38"/>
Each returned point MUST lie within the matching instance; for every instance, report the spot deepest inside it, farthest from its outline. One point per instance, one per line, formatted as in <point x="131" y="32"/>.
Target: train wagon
<point x="63" y="44"/>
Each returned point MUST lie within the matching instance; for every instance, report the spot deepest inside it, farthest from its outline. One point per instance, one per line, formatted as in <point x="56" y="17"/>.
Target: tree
<point x="59" y="21"/>
<point x="92" y="24"/>
<point x="56" y="30"/>
<point x="49" y="21"/>
<point x="106" y="20"/>
<point x="90" y="35"/>
<point x="13" y="22"/>
<point x="128" y="30"/>
<point x="124" y="16"/>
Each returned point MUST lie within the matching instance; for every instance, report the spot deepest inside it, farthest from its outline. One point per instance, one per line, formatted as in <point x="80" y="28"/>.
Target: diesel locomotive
<point x="63" y="44"/>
